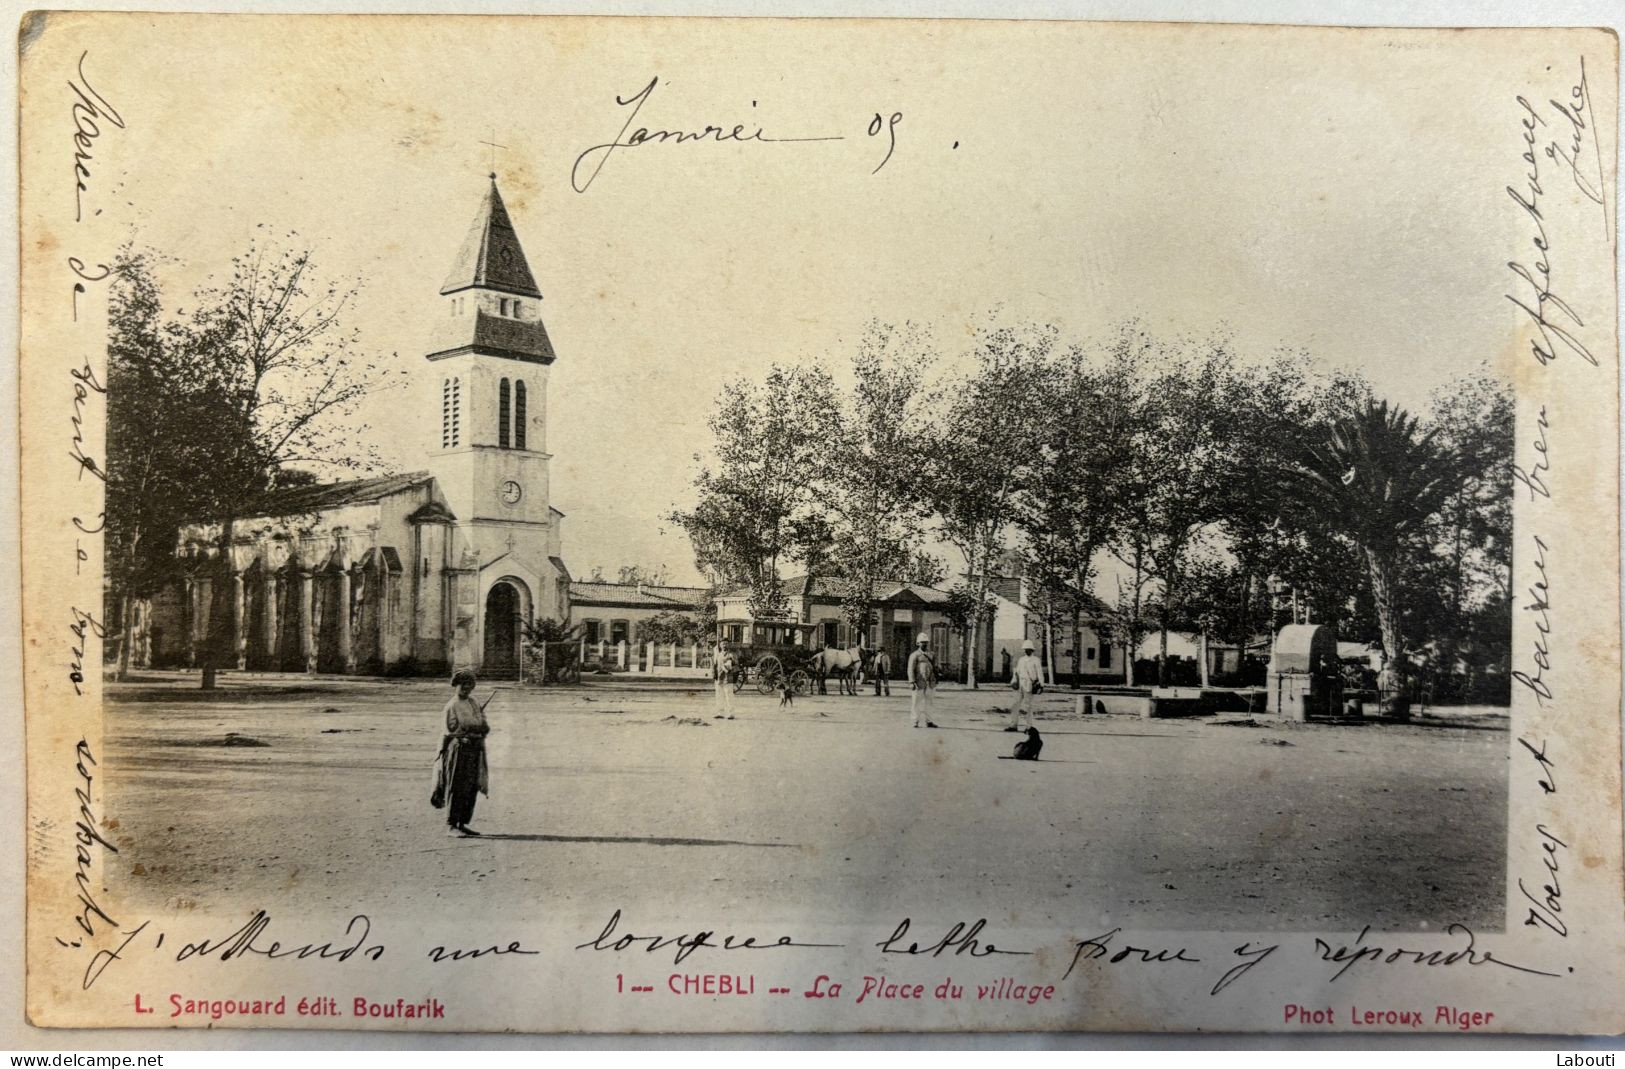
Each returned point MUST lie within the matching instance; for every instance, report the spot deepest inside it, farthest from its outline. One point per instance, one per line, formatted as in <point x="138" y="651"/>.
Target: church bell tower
<point x="489" y="355"/>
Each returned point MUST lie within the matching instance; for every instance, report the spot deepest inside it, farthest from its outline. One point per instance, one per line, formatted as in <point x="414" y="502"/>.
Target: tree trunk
<point x="126" y="616"/>
<point x="972" y="648"/>
<point x="1391" y="681"/>
<point x="1077" y="645"/>
<point x="975" y="649"/>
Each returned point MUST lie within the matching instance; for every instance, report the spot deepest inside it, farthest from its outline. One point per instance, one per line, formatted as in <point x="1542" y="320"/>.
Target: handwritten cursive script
<point x="591" y="162"/>
<point x="246" y="940"/>
<point x="1361" y="953"/>
<point x="685" y="944"/>
<point x="90" y="109"/>
<point x="87" y="836"/>
<point x="1097" y="947"/>
<point x="1556" y="321"/>
<point x="960" y="939"/>
<point x="1540" y="603"/>
<point x="1544" y="910"/>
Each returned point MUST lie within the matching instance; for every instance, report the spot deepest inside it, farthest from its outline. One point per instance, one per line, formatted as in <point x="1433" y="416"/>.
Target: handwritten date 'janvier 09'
<point x="590" y="163"/>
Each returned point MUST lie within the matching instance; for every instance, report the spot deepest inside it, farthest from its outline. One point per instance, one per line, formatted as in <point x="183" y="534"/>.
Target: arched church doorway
<point x="504" y="609"/>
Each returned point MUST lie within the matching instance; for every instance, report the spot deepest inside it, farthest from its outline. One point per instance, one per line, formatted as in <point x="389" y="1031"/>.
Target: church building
<point x="417" y="572"/>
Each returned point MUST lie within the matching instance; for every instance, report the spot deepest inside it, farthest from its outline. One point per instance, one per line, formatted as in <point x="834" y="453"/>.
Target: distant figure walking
<point x="1004" y="665"/>
<point x="922" y="677"/>
<point x="1028" y="674"/>
<point x="723" y="667"/>
<point x="464" y="771"/>
<point x="882" y="669"/>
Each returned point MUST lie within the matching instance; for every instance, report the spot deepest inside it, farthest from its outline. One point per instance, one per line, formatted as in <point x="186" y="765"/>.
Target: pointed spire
<point x="491" y="257"/>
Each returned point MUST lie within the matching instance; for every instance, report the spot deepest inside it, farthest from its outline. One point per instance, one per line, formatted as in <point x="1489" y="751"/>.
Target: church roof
<point x="491" y="257"/>
<point x="516" y="339"/>
<point x="300" y="499"/>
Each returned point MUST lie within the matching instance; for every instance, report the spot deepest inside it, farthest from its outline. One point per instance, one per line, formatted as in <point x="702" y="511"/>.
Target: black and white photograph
<point x="562" y="524"/>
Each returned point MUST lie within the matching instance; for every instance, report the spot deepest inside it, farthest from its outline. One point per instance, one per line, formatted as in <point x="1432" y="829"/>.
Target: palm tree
<point x="1379" y="478"/>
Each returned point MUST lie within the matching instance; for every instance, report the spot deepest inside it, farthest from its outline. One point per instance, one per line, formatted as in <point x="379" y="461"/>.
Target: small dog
<point x="1027" y="749"/>
<point x="787" y="696"/>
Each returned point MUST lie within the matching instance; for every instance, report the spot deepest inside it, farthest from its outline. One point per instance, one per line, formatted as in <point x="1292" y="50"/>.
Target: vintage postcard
<point x="682" y="525"/>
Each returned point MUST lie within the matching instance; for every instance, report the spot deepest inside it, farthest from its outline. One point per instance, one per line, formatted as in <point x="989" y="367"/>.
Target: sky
<point x="1349" y="201"/>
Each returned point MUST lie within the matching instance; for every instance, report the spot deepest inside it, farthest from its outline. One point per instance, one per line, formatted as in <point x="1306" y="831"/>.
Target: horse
<point x="847" y="666"/>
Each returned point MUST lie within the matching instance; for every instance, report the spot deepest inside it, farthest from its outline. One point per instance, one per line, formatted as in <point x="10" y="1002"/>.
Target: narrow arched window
<point x="502" y="415"/>
<point x="519" y="414"/>
<point x="450" y="417"/>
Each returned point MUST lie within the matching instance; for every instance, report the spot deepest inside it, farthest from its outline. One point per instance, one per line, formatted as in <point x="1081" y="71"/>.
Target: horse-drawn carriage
<point x="768" y="668"/>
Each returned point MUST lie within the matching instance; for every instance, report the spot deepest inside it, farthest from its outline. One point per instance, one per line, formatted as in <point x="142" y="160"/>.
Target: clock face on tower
<point x="510" y="492"/>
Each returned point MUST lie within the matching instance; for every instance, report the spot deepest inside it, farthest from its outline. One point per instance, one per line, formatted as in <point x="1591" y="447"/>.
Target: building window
<point x="1091" y="653"/>
<point x="832" y="634"/>
<point x="590" y="632"/>
<point x="450" y="413"/>
<point x="1105" y="655"/>
<point x="502" y="414"/>
<point x="617" y="632"/>
<point x="516" y="309"/>
<point x="503" y="305"/>
<point x="519" y="415"/>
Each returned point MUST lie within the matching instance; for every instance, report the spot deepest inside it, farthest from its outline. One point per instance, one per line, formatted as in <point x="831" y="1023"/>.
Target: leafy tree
<point x="1076" y="497"/>
<point x="672" y="627"/>
<point x="966" y="612"/>
<point x="1186" y="460"/>
<point x="634" y="574"/>
<point x="981" y="453"/>
<point x="217" y="407"/>
<point x="167" y="425"/>
<point x="1470" y="564"/>
<point x="866" y="478"/>
<point x="1131" y="614"/>
<point x="547" y="629"/>
<point x="756" y="501"/>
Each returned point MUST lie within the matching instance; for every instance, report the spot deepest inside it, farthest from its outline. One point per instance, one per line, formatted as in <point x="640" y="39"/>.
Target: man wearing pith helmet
<point x="1026" y="676"/>
<point x="922" y="677"/>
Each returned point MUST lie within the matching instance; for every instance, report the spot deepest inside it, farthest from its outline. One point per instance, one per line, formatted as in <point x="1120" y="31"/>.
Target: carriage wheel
<point x="768" y="674"/>
<point x="800" y="682"/>
<point x="740" y="676"/>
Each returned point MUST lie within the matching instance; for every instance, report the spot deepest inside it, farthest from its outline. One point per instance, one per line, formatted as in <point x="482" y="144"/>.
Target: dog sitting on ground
<point x="1027" y="749"/>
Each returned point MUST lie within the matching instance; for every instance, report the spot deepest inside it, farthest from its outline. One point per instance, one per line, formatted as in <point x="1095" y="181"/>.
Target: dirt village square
<point x="314" y="792"/>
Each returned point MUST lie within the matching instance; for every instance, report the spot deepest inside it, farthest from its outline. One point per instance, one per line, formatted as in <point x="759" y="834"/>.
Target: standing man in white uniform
<point x="922" y="677"/>
<point x="723" y="666"/>
<point x="1026" y="676"/>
